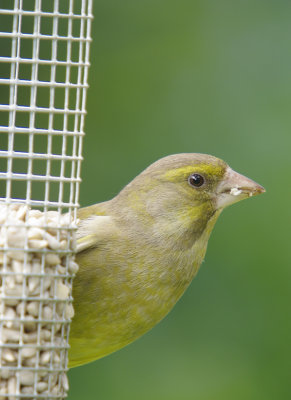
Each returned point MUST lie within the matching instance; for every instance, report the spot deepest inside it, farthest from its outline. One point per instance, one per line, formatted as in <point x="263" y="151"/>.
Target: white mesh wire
<point x="44" y="61"/>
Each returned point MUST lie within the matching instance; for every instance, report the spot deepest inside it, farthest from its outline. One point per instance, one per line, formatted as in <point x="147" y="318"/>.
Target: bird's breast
<point x="124" y="287"/>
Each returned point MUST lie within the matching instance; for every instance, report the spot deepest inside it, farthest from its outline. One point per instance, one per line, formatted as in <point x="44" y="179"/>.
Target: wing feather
<point x="94" y="230"/>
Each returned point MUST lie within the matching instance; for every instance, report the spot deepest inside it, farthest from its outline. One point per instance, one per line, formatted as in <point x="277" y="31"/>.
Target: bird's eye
<point x="196" y="180"/>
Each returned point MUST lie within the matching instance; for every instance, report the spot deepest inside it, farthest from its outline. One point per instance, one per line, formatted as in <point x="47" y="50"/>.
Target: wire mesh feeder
<point x="44" y="65"/>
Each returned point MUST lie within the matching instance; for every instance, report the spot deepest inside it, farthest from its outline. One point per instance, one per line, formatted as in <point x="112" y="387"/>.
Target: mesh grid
<point x="44" y="61"/>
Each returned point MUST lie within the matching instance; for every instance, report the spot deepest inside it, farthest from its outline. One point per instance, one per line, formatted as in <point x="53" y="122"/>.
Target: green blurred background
<point x="199" y="76"/>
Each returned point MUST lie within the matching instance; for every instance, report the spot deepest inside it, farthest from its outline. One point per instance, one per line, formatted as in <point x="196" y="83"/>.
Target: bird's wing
<point x="94" y="230"/>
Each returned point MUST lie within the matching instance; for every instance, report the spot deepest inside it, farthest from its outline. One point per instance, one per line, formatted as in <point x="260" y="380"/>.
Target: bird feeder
<point x="44" y="62"/>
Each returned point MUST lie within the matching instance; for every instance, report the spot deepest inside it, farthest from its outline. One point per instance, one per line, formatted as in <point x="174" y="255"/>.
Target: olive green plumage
<point x="138" y="252"/>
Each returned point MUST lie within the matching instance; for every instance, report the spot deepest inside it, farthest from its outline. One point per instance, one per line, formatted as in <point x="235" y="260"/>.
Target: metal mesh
<point x="44" y="61"/>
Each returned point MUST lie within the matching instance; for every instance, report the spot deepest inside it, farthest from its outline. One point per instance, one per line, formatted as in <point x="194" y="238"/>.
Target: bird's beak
<point x="235" y="187"/>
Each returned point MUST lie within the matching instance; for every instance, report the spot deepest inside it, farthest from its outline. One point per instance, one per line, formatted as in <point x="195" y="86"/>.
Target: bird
<point x="138" y="252"/>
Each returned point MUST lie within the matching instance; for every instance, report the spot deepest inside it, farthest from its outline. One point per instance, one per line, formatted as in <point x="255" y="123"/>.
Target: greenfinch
<point x="138" y="252"/>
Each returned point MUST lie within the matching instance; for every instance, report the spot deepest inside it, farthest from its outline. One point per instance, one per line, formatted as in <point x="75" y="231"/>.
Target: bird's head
<point x="186" y="190"/>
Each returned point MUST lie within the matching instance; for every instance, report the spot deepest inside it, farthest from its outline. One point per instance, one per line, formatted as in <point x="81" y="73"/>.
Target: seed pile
<point x="36" y="270"/>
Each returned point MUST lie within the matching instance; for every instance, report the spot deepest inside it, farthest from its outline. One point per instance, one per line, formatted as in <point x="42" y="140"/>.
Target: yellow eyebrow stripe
<point x="190" y="169"/>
